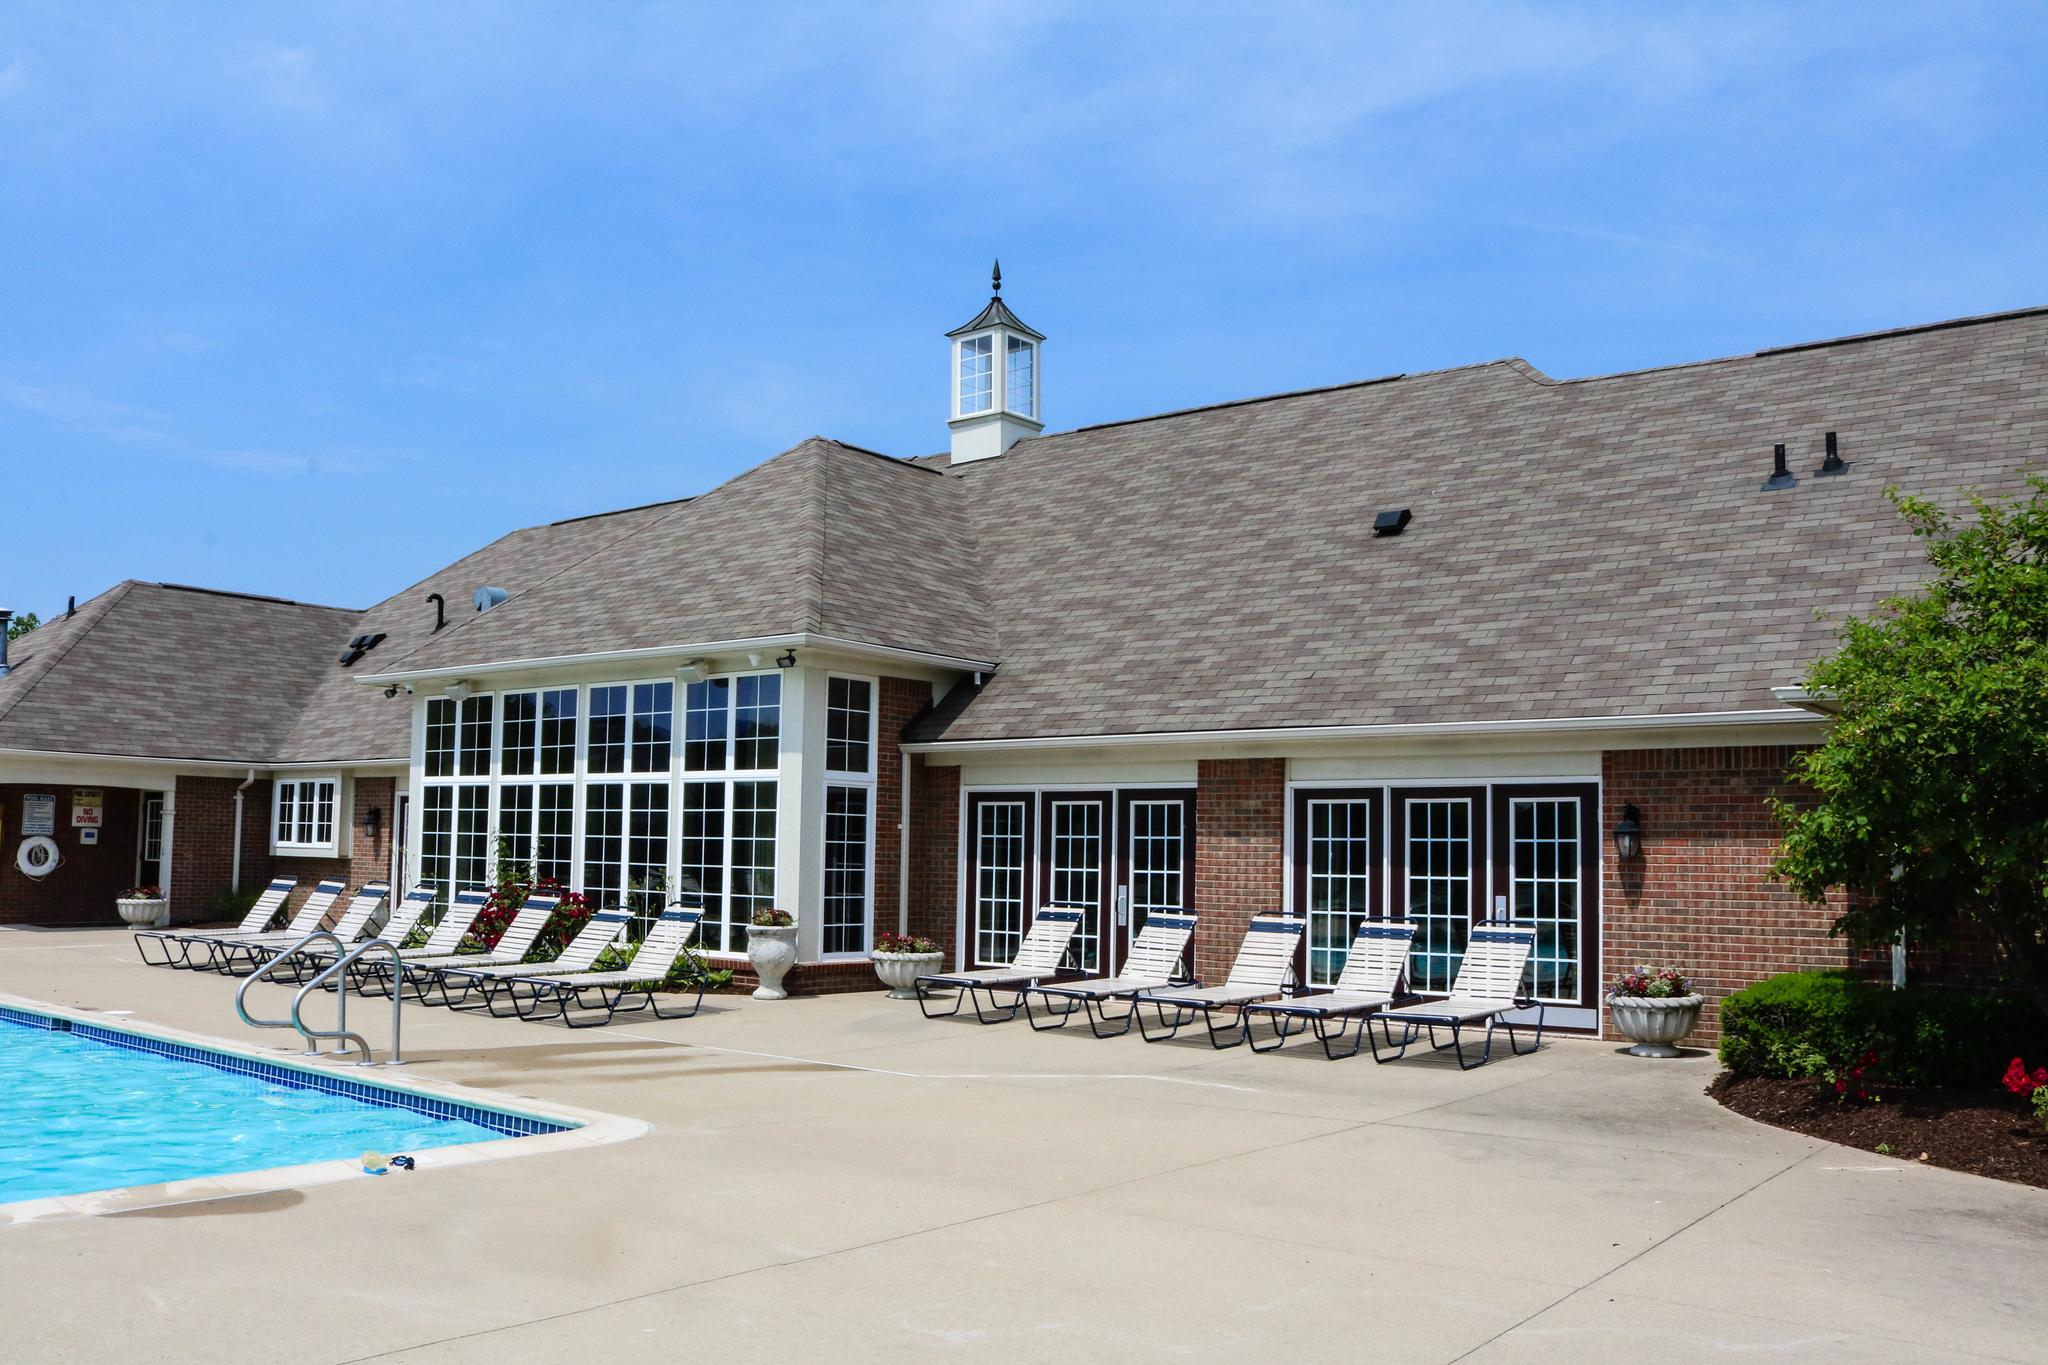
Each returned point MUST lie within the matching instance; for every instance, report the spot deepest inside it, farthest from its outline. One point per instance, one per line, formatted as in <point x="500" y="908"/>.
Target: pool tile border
<point x="551" y="1128"/>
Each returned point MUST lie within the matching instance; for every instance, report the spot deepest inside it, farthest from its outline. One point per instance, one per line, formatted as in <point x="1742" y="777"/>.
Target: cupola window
<point x="977" y="375"/>
<point x="1019" y="392"/>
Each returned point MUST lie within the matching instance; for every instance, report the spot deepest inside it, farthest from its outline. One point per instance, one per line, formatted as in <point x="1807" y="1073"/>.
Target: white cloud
<point x="289" y="78"/>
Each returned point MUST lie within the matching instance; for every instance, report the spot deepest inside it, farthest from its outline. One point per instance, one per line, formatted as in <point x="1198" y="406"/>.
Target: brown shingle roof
<point x="1596" y="547"/>
<point x="825" y="539"/>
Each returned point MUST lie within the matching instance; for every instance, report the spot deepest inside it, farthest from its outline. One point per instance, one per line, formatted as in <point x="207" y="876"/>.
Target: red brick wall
<point x="202" y="849"/>
<point x="934" y="852"/>
<point x="1701" y="897"/>
<point x="1240" y="855"/>
<point x="83" y="888"/>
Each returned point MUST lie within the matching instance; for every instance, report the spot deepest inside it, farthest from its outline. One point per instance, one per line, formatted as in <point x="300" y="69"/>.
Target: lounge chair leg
<point x="924" y="994"/>
<point x="1059" y="1020"/>
<point x="1099" y="1018"/>
<point x="1182" y="1016"/>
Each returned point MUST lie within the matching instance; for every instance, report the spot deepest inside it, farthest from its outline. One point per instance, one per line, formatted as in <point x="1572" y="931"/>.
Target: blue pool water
<point x="79" y="1114"/>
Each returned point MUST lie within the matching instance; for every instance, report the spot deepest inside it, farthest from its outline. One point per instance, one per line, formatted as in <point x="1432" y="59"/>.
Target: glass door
<point x="999" y="875"/>
<point x="1156" y="867"/>
<point x="1075" y="840"/>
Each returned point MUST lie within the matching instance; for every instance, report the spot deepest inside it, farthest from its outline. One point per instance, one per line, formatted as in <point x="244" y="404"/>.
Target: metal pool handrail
<point x="242" y="992"/>
<point x="340" y="1031"/>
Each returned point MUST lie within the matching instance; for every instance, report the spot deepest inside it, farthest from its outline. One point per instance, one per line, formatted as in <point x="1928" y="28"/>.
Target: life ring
<point x="38" y="856"/>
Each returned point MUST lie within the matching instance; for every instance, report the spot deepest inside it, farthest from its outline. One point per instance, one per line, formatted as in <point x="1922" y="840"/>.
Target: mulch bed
<point x="1984" y="1132"/>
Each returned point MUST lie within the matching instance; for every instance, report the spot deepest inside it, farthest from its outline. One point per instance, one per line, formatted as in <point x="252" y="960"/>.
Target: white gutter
<point x="1423" y="729"/>
<point x="235" y="864"/>
<point x="799" y="640"/>
<point x="1820" y="703"/>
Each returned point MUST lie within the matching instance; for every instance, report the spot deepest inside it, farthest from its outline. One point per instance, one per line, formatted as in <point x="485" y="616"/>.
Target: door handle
<point x="1123" y="906"/>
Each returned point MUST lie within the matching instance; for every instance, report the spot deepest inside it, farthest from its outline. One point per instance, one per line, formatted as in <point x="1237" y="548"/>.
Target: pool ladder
<point x="345" y="957"/>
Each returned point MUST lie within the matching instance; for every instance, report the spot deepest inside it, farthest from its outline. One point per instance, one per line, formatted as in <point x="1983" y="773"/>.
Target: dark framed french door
<point x="1337" y="882"/>
<point x="1438" y="855"/>
<point x="1546" y="859"/>
<point x="1155" y="862"/>
<point x="1117" y="857"/>
<point x="1001" y="875"/>
<point x="1076" y="872"/>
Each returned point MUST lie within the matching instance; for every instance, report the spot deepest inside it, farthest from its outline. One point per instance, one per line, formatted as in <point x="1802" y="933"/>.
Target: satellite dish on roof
<point x="488" y="597"/>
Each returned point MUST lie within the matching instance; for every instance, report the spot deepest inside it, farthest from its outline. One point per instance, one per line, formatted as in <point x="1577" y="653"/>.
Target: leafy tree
<point x="22" y="625"/>
<point x="1933" y="781"/>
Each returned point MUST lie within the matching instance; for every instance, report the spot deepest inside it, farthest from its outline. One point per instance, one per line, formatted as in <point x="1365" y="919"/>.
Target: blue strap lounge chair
<point x="1488" y="987"/>
<point x="456" y="922"/>
<point x="1153" y="963"/>
<point x="492" y="982"/>
<point x="353" y="925"/>
<point x="1371" y="980"/>
<point x="176" y="945"/>
<point x="247" y="951"/>
<point x="554" y="996"/>
<point x="1265" y="963"/>
<point x="1038" y="957"/>
<point x="512" y="946"/>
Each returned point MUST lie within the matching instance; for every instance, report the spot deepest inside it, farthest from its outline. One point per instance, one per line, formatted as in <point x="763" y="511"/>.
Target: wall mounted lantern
<point x="1628" y="833"/>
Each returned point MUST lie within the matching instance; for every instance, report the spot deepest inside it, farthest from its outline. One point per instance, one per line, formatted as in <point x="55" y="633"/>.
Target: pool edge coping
<point x="582" y="1128"/>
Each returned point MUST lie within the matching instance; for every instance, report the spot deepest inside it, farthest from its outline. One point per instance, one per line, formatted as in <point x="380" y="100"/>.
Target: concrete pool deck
<point x="838" y="1178"/>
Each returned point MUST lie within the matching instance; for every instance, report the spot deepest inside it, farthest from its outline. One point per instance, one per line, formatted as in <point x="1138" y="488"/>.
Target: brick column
<point x="934" y="852"/>
<point x="1240" y="856"/>
<point x="1701" y="897"/>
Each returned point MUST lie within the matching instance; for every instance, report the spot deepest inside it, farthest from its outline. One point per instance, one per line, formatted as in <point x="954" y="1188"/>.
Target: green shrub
<point x="229" y="906"/>
<point x="1802" y="1024"/>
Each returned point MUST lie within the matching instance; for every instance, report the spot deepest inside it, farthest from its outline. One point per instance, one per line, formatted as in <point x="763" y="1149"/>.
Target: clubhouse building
<point x="1455" y="646"/>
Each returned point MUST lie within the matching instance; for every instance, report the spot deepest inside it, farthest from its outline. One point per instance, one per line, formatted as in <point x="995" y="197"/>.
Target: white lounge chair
<point x="1038" y="957"/>
<point x="353" y="925"/>
<point x="229" y="951"/>
<point x="552" y="996"/>
<point x="1153" y="963"/>
<point x="176" y="944"/>
<point x="1265" y="962"/>
<point x="441" y="943"/>
<point x="1371" y="980"/>
<point x="599" y="932"/>
<point x="1488" y="986"/>
<point x="413" y="907"/>
<point x="512" y="946"/>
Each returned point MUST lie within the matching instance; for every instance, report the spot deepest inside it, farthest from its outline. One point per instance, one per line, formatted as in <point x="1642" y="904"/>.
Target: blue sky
<point x="311" y="299"/>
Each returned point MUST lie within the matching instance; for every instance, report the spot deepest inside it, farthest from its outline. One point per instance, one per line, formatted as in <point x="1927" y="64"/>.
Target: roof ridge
<point x="112" y="598"/>
<point x="820" y="508"/>
<point x="248" y="596"/>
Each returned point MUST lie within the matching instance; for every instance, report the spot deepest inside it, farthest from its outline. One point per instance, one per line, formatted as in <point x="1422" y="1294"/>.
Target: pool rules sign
<point x="38" y="815"/>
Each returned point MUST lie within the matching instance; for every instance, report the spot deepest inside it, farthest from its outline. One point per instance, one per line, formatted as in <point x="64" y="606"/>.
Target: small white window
<point x="306" y="810"/>
<point x="1019" y="392"/>
<point x="977" y="364"/>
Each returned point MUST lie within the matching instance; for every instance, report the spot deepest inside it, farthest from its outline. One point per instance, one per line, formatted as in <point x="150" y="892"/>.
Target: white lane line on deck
<point x="944" y="1075"/>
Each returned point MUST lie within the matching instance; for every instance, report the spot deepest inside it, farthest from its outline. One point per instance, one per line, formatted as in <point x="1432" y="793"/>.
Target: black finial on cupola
<point x="1781" y="473"/>
<point x="995" y="277"/>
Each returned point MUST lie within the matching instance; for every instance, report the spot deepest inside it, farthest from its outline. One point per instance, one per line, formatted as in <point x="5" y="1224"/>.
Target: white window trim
<point x="336" y="845"/>
<point x="1031" y="347"/>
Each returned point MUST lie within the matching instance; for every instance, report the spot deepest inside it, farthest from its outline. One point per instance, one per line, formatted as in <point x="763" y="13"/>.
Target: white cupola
<point x="996" y="380"/>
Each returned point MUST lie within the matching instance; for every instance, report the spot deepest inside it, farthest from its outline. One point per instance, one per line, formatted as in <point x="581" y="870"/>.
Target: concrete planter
<point x="145" y="914"/>
<point x="1653" y="1024"/>
<point x="773" y="953"/>
<point x="900" y="971"/>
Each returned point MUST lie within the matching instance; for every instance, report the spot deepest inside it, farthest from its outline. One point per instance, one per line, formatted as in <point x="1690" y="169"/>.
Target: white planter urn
<point x="900" y="971"/>
<point x="773" y="952"/>
<point x="1654" y="1024"/>
<point x="154" y="913"/>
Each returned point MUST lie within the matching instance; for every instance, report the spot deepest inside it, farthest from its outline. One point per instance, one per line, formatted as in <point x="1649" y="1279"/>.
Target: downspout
<point x="903" y="853"/>
<point x="235" y="869"/>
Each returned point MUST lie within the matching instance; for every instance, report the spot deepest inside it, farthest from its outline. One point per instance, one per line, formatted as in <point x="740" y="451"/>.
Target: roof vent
<point x="1392" y="523"/>
<point x="487" y="597"/>
<point x="1834" y="463"/>
<point x="5" y="617"/>
<point x="1781" y="473"/>
<point x="359" y="646"/>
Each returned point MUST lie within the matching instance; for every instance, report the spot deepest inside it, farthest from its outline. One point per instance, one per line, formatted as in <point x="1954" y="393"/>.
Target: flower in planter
<point x="773" y="919"/>
<point x="142" y="893"/>
<point x="904" y="943"/>
<point x="1652" y="983"/>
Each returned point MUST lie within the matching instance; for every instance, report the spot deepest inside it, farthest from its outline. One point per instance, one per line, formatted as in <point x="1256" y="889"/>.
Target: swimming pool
<point x="86" y="1107"/>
